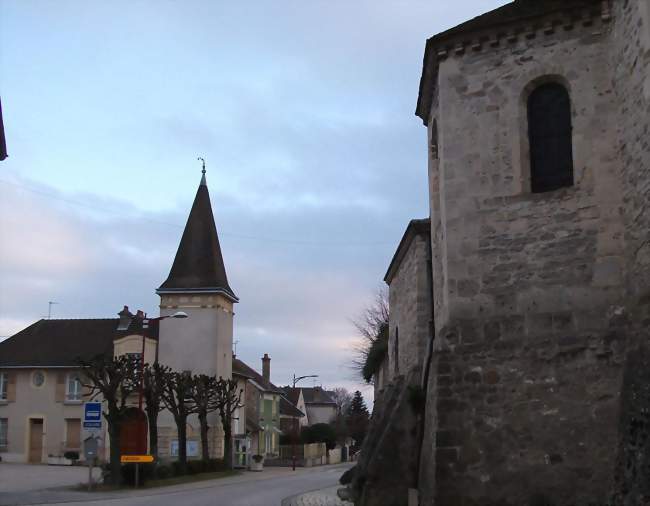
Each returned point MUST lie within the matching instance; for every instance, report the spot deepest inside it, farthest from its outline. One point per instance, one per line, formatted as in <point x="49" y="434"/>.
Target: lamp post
<point x="295" y="420"/>
<point x="141" y="427"/>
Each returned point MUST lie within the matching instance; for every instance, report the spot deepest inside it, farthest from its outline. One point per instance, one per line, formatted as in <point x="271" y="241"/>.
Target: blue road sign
<point x="92" y="415"/>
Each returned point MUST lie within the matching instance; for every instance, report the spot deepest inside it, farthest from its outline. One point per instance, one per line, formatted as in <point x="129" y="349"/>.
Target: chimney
<point x="125" y="318"/>
<point x="266" y="367"/>
<point x="140" y="314"/>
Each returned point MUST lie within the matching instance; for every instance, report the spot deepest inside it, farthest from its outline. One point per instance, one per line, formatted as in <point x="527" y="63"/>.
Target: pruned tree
<point x="111" y="380"/>
<point x="204" y="394"/>
<point x="372" y="327"/>
<point x="153" y="385"/>
<point x="228" y="400"/>
<point x="176" y="396"/>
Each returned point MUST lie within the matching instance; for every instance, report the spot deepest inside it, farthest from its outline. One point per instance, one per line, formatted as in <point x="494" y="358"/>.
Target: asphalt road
<point x="267" y="488"/>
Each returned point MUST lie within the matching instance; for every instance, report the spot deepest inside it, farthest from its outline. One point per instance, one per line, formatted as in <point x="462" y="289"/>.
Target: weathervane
<point x="203" y="162"/>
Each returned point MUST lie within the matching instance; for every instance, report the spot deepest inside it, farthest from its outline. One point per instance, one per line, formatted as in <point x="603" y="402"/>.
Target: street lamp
<point x="145" y="326"/>
<point x="295" y="420"/>
<point x="142" y="428"/>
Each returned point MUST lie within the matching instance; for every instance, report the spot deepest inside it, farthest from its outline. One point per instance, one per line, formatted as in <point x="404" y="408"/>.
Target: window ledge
<point x="3" y="402"/>
<point x="71" y="402"/>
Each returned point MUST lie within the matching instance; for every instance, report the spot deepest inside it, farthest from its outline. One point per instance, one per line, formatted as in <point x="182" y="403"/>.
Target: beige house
<point x="41" y="398"/>
<point x="315" y="402"/>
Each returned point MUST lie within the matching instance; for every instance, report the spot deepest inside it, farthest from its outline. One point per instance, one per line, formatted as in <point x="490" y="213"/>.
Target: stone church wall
<point x="410" y="309"/>
<point x="529" y="288"/>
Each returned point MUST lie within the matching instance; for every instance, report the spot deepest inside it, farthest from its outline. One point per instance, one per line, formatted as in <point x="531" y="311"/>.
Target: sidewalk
<point x="325" y="497"/>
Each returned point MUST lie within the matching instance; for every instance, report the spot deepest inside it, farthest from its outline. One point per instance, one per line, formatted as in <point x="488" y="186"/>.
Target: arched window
<point x="396" y="350"/>
<point x="549" y="134"/>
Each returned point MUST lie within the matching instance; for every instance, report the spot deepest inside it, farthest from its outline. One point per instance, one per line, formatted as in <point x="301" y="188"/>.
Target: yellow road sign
<point x="138" y="459"/>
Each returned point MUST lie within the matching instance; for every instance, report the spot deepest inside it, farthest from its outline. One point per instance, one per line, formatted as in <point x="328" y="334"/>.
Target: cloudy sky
<point x="304" y="112"/>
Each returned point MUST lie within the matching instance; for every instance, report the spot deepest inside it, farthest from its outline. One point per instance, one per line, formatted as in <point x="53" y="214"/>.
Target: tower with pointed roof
<point x="198" y="285"/>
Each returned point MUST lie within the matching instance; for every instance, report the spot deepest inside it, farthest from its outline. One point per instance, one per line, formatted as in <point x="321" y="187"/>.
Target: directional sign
<point x="137" y="459"/>
<point x="92" y="415"/>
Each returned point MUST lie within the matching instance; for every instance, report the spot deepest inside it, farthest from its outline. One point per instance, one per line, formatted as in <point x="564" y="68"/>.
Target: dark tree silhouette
<point x="204" y="394"/>
<point x="176" y="396"/>
<point x="153" y="384"/>
<point x="357" y="419"/>
<point x="228" y="400"/>
<point x="113" y="380"/>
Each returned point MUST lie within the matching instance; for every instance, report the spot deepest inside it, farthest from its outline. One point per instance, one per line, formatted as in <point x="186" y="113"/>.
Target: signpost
<point x="91" y="448"/>
<point x="93" y="415"/>
<point x="136" y="459"/>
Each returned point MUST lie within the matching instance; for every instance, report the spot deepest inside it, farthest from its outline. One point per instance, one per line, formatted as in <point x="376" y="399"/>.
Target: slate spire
<point x="198" y="266"/>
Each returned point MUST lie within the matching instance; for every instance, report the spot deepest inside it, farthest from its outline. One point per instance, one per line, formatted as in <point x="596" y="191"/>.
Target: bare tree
<point x="176" y="396"/>
<point x="204" y="395"/>
<point x="228" y="400"/>
<point x="153" y="385"/>
<point x="343" y="398"/>
<point x="112" y="380"/>
<point x="372" y="327"/>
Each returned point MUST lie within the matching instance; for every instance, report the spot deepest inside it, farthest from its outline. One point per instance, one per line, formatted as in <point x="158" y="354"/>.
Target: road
<point x="268" y="488"/>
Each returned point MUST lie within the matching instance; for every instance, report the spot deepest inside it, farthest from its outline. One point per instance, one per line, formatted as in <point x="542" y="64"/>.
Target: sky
<point x="304" y="113"/>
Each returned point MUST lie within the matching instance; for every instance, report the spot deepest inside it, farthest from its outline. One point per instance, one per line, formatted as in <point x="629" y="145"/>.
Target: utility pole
<point x="49" y="309"/>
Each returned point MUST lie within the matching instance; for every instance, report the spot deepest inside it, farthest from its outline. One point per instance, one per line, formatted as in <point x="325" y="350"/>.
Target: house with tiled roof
<point x="316" y="402"/>
<point x="268" y="412"/>
<point x="41" y="397"/>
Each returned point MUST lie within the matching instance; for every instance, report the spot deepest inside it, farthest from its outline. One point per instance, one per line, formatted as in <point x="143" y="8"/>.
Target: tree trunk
<point x="205" y="448"/>
<point x="227" y="444"/>
<point x="114" y="438"/>
<point x="181" y="424"/>
<point x="153" y="434"/>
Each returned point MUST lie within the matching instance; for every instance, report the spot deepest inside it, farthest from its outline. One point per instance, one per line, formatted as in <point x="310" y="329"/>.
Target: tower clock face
<point x="38" y="379"/>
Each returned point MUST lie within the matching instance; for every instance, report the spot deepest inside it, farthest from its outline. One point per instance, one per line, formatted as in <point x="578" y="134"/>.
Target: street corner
<point x="324" y="497"/>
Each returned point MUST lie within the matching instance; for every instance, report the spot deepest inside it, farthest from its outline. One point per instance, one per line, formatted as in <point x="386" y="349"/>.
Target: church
<point x="517" y="363"/>
<point x="42" y="397"/>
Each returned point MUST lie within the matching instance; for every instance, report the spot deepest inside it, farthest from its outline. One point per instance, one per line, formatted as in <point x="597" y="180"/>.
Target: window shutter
<point x="59" y="395"/>
<point x="11" y="387"/>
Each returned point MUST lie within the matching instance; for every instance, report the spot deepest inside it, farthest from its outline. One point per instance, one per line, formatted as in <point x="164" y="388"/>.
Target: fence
<point x="314" y="454"/>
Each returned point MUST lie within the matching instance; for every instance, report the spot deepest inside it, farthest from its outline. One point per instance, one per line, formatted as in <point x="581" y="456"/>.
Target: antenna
<point x="49" y="309"/>
<point x="234" y="345"/>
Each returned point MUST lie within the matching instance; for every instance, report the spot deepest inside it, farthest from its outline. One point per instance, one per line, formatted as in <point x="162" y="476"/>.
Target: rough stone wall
<point x="529" y="288"/>
<point x="630" y="55"/>
<point x="631" y="59"/>
<point x="410" y="309"/>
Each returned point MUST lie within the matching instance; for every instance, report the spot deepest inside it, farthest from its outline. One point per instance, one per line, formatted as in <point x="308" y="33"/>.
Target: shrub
<point x="195" y="466"/>
<point x="214" y="465"/>
<point x="71" y="455"/>
<point x="176" y="468"/>
<point x="146" y="472"/>
<point x="376" y="354"/>
<point x="164" y="471"/>
<point x="258" y="458"/>
<point x="319" y="433"/>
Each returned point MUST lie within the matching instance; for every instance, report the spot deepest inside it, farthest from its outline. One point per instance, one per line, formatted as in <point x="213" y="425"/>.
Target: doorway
<point x="35" y="441"/>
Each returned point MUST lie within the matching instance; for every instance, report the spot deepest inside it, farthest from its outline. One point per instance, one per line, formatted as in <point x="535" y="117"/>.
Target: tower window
<point x="549" y="135"/>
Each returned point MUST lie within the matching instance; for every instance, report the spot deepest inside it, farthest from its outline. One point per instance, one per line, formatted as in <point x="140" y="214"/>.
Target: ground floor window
<point x="73" y="433"/>
<point x="4" y="427"/>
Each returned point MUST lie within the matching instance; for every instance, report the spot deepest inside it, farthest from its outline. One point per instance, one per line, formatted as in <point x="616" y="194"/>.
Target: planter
<point x="58" y="461"/>
<point x="256" y="464"/>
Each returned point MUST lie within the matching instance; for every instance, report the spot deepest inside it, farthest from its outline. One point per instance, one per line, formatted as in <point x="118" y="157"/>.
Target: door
<point x="35" y="440"/>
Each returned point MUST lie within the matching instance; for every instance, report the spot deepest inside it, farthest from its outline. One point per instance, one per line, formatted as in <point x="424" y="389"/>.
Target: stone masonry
<point x="540" y="300"/>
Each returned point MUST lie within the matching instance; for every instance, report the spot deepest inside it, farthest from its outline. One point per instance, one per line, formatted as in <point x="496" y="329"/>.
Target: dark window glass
<point x="549" y="133"/>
